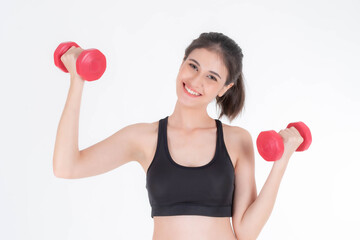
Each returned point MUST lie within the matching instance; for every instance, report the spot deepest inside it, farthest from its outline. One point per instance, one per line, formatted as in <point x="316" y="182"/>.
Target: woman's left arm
<point x="257" y="214"/>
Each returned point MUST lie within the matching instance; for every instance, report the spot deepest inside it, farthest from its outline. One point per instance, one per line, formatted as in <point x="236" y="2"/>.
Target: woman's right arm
<point x="121" y="147"/>
<point x="66" y="149"/>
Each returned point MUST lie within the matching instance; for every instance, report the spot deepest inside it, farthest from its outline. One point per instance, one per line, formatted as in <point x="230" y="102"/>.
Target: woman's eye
<point x="192" y="65"/>
<point x="214" y="78"/>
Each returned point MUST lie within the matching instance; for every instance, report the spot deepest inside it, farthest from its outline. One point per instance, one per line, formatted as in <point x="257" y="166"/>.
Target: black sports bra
<point x="174" y="189"/>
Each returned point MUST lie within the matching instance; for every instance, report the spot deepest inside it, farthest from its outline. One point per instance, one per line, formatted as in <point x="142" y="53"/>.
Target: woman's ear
<point x="225" y="89"/>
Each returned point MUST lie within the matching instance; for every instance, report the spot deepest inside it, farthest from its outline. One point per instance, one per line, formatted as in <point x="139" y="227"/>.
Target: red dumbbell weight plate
<point x="91" y="64"/>
<point x="270" y="145"/>
<point x="59" y="51"/>
<point x="305" y="134"/>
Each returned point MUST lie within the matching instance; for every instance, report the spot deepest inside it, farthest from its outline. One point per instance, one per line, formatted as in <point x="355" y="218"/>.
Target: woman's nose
<point x="197" y="81"/>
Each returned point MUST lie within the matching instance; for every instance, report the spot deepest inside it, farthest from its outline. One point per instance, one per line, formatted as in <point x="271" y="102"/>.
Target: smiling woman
<point x="190" y="174"/>
<point x="199" y="171"/>
<point x="228" y="57"/>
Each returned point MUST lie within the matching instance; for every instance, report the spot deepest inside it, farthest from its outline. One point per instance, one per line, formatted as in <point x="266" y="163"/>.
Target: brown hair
<point x="232" y="102"/>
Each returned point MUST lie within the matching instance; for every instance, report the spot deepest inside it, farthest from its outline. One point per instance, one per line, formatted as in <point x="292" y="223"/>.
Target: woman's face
<point x="204" y="73"/>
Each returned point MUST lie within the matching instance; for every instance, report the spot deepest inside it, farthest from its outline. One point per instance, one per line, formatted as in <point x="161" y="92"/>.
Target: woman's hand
<point x="292" y="140"/>
<point x="69" y="59"/>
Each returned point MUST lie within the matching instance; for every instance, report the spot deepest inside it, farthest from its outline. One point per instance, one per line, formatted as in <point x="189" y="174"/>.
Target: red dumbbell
<point x="90" y="64"/>
<point x="270" y="144"/>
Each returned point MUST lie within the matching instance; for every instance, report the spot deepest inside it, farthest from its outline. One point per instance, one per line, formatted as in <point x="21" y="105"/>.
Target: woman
<point x="199" y="172"/>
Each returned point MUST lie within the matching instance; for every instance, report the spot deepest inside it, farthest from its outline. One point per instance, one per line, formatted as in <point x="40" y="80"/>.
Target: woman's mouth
<point x="189" y="92"/>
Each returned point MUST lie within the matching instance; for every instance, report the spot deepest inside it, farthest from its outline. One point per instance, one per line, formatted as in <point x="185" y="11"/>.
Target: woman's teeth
<point x="191" y="92"/>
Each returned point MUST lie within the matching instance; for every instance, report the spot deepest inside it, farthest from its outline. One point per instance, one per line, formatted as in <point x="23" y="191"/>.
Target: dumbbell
<point x="90" y="64"/>
<point x="270" y="144"/>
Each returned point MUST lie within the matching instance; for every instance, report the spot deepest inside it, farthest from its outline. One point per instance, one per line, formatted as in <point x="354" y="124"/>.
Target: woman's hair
<point x="232" y="102"/>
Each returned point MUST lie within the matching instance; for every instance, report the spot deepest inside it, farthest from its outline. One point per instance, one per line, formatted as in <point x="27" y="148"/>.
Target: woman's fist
<point x="292" y="140"/>
<point x="69" y="60"/>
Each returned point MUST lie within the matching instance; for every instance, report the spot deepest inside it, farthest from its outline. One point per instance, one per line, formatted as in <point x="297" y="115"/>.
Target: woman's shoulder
<point x="238" y="135"/>
<point x="236" y="130"/>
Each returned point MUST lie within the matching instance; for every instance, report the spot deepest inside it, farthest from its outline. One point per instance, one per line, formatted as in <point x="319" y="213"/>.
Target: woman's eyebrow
<point x="199" y="66"/>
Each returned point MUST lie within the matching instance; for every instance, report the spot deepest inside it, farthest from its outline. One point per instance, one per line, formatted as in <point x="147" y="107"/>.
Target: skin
<point x="190" y="129"/>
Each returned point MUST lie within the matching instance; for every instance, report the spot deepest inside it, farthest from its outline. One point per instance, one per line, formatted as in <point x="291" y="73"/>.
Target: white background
<point x="301" y="63"/>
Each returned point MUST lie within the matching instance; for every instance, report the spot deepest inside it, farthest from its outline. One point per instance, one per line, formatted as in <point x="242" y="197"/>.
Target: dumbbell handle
<point x="270" y="144"/>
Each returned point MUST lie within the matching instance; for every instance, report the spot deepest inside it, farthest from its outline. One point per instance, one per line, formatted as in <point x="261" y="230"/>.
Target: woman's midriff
<point x="192" y="227"/>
